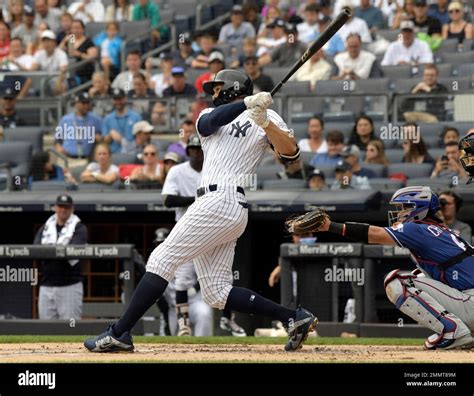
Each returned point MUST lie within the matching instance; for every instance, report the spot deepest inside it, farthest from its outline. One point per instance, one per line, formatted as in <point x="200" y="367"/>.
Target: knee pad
<point x="395" y="288"/>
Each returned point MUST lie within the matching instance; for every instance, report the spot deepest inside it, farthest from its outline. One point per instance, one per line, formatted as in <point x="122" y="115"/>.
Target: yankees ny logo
<point x="240" y="130"/>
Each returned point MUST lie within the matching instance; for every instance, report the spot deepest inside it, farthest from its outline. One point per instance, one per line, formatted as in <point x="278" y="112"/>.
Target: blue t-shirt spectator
<point x="324" y="159"/>
<point x="77" y="134"/>
<point x="372" y="16"/>
<point x="113" y="47"/>
<point x="122" y="124"/>
<point x="442" y="16"/>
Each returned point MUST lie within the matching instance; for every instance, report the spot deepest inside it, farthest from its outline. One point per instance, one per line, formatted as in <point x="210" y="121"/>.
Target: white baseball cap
<point x="48" y="34"/>
<point x="142" y="126"/>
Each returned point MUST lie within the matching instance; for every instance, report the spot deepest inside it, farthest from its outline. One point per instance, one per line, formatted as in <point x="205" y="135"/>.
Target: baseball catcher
<point x="439" y="293"/>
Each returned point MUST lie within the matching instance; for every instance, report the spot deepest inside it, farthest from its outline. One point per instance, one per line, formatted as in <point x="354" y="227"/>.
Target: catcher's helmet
<point x="466" y="146"/>
<point x="161" y="234"/>
<point x="236" y="83"/>
<point x="413" y="203"/>
<point x="193" y="142"/>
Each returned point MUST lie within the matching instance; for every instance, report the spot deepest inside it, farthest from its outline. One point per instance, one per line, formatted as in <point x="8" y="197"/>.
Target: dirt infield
<point x="242" y="353"/>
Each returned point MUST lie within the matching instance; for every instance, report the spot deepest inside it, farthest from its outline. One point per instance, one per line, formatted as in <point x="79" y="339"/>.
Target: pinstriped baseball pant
<point x="207" y="234"/>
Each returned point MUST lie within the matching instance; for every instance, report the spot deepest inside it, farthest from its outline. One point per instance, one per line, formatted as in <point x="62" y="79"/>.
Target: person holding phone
<point x="448" y="166"/>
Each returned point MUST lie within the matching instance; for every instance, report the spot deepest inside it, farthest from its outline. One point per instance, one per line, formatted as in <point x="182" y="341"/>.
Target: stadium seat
<point x="18" y="155"/>
<point x="334" y="87"/>
<point x="184" y="7"/>
<point x="339" y="116"/>
<point x="411" y="170"/>
<point x="98" y="186"/>
<point x="444" y="70"/>
<point x="193" y="74"/>
<point x="458" y="58"/>
<point x="436" y="152"/>
<point x="394" y="155"/>
<point x="49" y="185"/>
<point x="405" y="85"/>
<point x="296" y="88"/>
<point x="284" y="184"/>
<point x="130" y="29"/>
<point x="33" y="135"/>
<point x="300" y="129"/>
<point x="122" y="158"/>
<point x="276" y="73"/>
<point x="167" y="15"/>
<point x="448" y="45"/>
<point x="389" y="34"/>
<point x="375" y="86"/>
<point x="466" y="70"/>
<point x="384" y="184"/>
<point x="379" y="169"/>
<point x="435" y="183"/>
<point x="463" y="84"/>
<point x="461" y="126"/>
<point x="268" y="172"/>
<point x="94" y="28"/>
<point x="397" y="72"/>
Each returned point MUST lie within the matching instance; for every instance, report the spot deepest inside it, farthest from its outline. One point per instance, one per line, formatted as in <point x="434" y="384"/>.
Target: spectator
<point x="252" y="15"/>
<point x="439" y="10"/>
<point x="65" y="32"/>
<point x="362" y="132"/>
<point x="207" y="43"/>
<point x="16" y="13"/>
<point x="269" y="4"/>
<point x="415" y="152"/>
<point x="278" y="37"/>
<point x="372" y="15"/>
<point x="4" y="41"/>
<point x="117" y="126"/>
<point x="315" y="142"/>
<point x="42" y="168"/>
<point x="325" y="9"/>
<point x="249" y="49"/>
<point x="27" y="31"/>
<point x="141" y="94"/>
<point x="151" y="170"/>
<point x="17" y="59"/>
<point x="187" y="129"/>
<point x="317" y="180"/>
<point x="148" y="9"/>
<point x="169" y="160"/>
<point x="335" y="45"/>
<point x="141" y="137"/>
<point x="335" y="141"/>
<point x="272" y="14"/>
<point x="133" y="63"/>
<point x="425" y="23"/>
<point x="408" y="51"/>
<point x="309" y="29"/>
<point x="87" y="11"/>
<point x="285" y="55"/>
<point x="179" y="86"/>
<point x="101" y="170"/>
<point x="295" y="170"/>
<point x="101" y="91"/>
<point x="354" y="63"/>
<point x="375" y="153"/>
<point x="450" y="134"/>
<point x="159" y="116"/>
<point x="160" y="81"/>
<point x="345" y="179"/>
<point x="355" y="25"/>
<point x="427" y="109"/>
<point x="451" y="203"/>
<point x="234" y="32"/>
<point x="216" y="64"/>
<point x="52" y="60"/>
<point x="448" y="166"/>
<point x="50" y="16"/>
<point x="8" y="115"/>
<point x="61" y="290"/>
<point x="78" y="131"/>
<point x="403" y="13"/>
<point x="316" y="69"/>
<point x="185" y="55"/>
<point x="110" y="44"/>
<point x="457" y="27"/>
<point x="80" y="49"/>
<point x="119" y="11"/>
<point x="261" y="82"/>
<point x="351" y="155"/>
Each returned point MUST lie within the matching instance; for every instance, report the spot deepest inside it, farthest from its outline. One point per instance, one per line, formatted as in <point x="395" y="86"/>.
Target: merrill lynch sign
<point x="326" y="249"/>
<point x="86" y="251"/>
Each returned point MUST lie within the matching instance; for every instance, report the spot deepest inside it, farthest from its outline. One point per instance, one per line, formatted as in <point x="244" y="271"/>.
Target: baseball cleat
<point x="231" y="326"/>
<point x="109" y="342"/>
<point x="433" y="342"/>
<point x="298" y="329"/>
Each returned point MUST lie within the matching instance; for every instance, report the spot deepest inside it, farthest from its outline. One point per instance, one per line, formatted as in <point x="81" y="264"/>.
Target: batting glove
<point x="262" y="99"/>
<point x="259" y="116"/>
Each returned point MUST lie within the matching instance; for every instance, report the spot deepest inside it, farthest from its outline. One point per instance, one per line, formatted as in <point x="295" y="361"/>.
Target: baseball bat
<point x="316" y="45"/>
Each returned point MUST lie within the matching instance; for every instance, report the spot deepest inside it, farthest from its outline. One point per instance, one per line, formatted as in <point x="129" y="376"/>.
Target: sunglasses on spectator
<point x="454" y="10"/>
<point x="152" y="153"/>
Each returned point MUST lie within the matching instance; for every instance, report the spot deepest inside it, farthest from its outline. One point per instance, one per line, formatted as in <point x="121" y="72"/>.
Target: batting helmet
<point x="236" y="83"/>
<point x="193" y="142"/>
<point x="161" y="234"/>
<point x="413" y="203"/>
<point x="466" y="145"/>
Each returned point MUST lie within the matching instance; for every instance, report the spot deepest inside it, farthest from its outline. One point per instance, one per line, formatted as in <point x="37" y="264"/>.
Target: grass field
<point x="64" y="349"/>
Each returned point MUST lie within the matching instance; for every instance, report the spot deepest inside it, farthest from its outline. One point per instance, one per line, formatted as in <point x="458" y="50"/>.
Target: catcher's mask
<point x="412" y="203"/>
<point x="466" y="146"/>
<point x="236" y="83"/>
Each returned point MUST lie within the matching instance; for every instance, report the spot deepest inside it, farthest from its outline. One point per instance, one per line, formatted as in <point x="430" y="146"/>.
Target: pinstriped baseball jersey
<point x="234" y="151"/>
<point x="181" y="180"/>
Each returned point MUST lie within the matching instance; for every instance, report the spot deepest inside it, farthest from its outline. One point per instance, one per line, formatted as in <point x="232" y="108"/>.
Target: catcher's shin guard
<point x="421" y="306"/>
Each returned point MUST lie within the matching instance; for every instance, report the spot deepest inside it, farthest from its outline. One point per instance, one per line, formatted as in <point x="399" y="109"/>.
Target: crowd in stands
<point x="124" y="104"/>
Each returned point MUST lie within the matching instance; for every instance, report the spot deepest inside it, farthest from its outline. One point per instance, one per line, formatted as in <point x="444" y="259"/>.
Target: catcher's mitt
<point x="309" y="222"/>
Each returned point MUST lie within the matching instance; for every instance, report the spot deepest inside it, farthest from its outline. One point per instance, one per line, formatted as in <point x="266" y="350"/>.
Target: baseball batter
<point x="439" y="294"/>
<point x="234" y="137"/>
